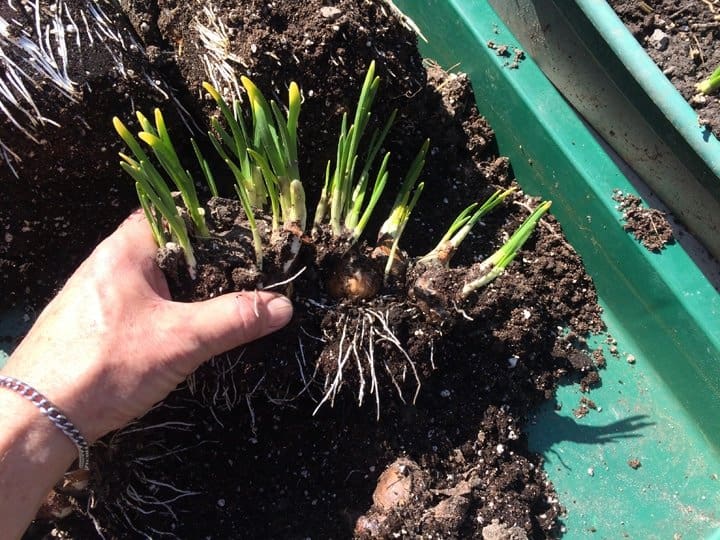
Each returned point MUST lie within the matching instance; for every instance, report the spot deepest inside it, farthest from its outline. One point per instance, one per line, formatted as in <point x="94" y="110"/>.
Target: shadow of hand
<point x="563" y="428"/>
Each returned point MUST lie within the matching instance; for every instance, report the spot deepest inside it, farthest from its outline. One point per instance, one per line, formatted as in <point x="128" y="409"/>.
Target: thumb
<point x="223" y="323"/>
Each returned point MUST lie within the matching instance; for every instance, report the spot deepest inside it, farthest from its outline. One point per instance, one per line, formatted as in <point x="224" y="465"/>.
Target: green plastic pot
<point x="599" y="67"/>
<point x="663" y="409"/>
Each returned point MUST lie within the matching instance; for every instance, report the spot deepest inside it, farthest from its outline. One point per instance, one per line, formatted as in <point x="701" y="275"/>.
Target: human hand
<point x="112" y="343"/>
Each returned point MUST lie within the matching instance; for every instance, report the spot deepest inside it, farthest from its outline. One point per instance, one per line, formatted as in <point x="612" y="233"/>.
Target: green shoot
<point x="400" y="212"/>
<point x="154" y="217"/>
<point x="711" y="84"/>
<point x="297" y="210"/>
<point x="264" y="162"/>
<point x="205" y="167"/>
<point x="158" y="139"/>
<point x="247" y="207"/>
<point x="393" y="227"/>
<point x="354" y="217"/>
<point x="271" y="182"/>
<point x="155" y="196"/>
<point x="460" y="228"/>
<point x="345" y="192"/>
<point x="322" y="206"/>
<point x="380" y="181"/>
<point x="234" y="148"/>
<point x="407" y="209"/>
<point x="275" y="139"/>
<point x="494" y="265"/>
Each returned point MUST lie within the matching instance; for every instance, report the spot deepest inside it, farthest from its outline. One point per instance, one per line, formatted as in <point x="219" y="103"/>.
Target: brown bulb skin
<point x="354" y="277"/>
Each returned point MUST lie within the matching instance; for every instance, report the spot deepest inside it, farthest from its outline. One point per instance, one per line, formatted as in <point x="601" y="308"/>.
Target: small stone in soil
<point x="500" y="531"/>
<point x="659" y="40"/>
<point x="330" y="12"/>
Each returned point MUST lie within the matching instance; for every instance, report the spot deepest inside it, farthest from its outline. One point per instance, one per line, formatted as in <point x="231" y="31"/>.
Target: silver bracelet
<point x="54" y="415"/>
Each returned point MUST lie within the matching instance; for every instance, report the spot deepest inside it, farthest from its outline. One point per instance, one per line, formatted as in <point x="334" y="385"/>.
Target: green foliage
<point x="461" y="227"/>
<point x="496" y="263"/>
<point x="264" y="159"/>
<point x="346" y="184"/>
<point x="711" y="84"/>
<point x="154" y="190"/>
<point x="405" y="202"/>
<point x="261" y="153"/>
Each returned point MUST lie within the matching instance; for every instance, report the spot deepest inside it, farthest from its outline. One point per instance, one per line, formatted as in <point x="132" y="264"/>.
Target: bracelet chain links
<point x="54" y="415"/>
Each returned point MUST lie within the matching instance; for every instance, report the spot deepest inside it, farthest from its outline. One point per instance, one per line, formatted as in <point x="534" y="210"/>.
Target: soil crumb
<point x="650" y="226"/>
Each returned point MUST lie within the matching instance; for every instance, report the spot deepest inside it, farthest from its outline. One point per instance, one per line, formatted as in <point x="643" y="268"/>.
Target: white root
<point x="37" y="57"/>
<point x="248" y="400"/>
<point x="143" y="494"/>
<point x="285" y="281"/>
<point x="91" y="505"/>
<point x="182" y="426"/>
<point x="388" y="335"/>
<point x="358" y="361"/>
<point x="342" y="357"/>
<point x="219" y="390"/>
<point x="219" y="60"/>
<point x="368" y="328"/>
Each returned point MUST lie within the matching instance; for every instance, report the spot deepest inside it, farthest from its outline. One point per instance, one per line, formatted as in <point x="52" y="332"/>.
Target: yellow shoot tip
<point x="252" y="90"/>
<point x="149" y="138"/>
<point x="545" y="205"/>
<point x="294" y="94"/>
<point x="130" y="161"/>
<point x="210" y="89"/>
<point x="120" y="127"/>
<point x="141" y="117"/>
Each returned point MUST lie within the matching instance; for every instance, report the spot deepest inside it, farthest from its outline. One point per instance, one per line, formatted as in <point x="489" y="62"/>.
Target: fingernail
<point x="280" y="311"/>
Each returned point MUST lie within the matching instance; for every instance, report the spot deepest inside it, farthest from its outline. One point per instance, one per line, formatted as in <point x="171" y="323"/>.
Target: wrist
<point x="30" y="435"/>
<point x="68" y="392"/>
<point x="34" y="454"/>
<point x="50" y="411"/>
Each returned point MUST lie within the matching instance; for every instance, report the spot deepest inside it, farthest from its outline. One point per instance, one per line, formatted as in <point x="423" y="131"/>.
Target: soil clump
<point x="649" y="226"/>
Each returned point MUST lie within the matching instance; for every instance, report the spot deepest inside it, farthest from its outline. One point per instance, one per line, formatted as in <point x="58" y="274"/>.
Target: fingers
<point x="231" y="320"/>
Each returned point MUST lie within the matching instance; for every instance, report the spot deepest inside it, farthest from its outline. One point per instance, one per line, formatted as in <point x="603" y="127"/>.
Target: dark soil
<point x="650" y="226"/>
<point x="237" y="451"/>
<point x="681" y="37"/>
<point x="61" y="190"/>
